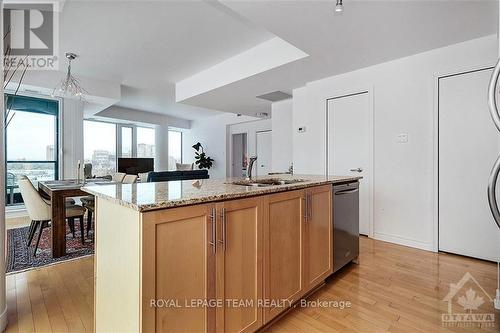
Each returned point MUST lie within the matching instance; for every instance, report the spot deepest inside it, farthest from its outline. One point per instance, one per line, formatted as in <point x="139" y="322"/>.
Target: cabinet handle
<point x="305" y="207"/>
<point x="310" y="214"/>
<point x="223" y="221"/>
<point x="213" y="221"/>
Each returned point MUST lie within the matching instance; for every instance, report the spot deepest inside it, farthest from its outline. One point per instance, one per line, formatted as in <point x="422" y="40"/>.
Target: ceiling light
<point x="69" y="85"/>
<point x="339" y="7"/>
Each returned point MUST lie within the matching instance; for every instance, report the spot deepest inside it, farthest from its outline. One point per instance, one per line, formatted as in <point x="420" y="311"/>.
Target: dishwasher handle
<point x="346" y="191"/>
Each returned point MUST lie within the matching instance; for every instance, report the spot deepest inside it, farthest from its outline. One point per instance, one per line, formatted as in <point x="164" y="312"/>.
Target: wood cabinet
<point x="283" y="251"/>
<point x="298" y="245"/>
<point x="230" y="266"/>
<point x="178" y="268"/>
<point x="239" y="265"/>
<point x="204" y="252"/>
<point x="318" y="236"/>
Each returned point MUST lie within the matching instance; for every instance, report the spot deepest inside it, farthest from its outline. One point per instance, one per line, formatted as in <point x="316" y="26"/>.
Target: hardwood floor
<point x="57" y="298"/>
<point x="393" y="289"/>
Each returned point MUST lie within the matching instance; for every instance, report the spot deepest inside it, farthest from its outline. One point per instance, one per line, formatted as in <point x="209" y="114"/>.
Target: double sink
<point x="267" y="182"/>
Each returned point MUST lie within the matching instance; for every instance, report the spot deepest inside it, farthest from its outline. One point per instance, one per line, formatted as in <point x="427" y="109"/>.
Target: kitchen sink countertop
<point x="151" y="196"/>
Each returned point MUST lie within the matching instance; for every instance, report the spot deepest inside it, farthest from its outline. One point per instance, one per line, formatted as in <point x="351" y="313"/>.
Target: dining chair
<point x="10" y="184"/>
<point x="143" y="177"/>
<point x="118" y="177"/>
<point x="40" y="211"/>
<point x="88" y="203"/>
<point x="87" y="170"/>
<point x="129" y="179"/>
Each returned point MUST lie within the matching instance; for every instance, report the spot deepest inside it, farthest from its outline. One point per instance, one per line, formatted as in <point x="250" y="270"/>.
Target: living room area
<point x="111" y="151"/>
<point x="107" y="118"/>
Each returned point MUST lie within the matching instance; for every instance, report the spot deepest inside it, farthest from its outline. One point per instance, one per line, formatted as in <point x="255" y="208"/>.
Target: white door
<point x="349" y="140"/>
<point x="263" y="153"/>
<point x="468" y="146"/>
<point x="239" y="152"/>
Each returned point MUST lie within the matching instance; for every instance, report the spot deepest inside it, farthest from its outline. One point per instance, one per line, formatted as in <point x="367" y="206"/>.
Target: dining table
<point x="57" y="191"/>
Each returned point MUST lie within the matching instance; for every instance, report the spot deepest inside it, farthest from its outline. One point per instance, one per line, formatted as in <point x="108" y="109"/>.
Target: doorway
<point x="349" y="147"/>
<point x="263" y="149"/>
<point x="239" y="155"/>
<point x="468" y="145"/>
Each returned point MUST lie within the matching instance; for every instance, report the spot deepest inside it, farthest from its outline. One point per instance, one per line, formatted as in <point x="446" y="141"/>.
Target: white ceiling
<point x="367" y="33"/>
<point x="148" y="46"/>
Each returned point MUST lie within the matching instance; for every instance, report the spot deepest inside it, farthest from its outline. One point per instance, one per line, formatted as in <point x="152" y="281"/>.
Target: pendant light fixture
<point x="69" y="85"/>
<point x="339" y="7"/>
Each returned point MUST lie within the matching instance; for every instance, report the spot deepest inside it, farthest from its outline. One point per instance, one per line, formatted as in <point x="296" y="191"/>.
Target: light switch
<point x="402" y="138"/>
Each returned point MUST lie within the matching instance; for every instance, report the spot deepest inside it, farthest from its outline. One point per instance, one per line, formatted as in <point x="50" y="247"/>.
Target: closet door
<point x="468" y="147"/>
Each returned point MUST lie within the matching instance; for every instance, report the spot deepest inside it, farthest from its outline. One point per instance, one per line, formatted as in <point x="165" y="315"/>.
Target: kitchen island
<point x="209" y="255"/>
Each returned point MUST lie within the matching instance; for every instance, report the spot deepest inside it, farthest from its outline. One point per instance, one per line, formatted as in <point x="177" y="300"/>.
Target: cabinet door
<point x="239" y="265"/>
<point x="318" y="244"/>
<point x="178" y="268"/>
<point x="283" y="250"/>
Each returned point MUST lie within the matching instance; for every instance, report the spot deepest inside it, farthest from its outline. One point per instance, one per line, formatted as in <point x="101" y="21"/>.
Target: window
<point x="126" y="142"/>
<point x="145" y="142"/>
<point x="174" y="148"/>
<point x="100" y="147"/>
<point x="31" y="142"/>
<point x="101" y="144"/>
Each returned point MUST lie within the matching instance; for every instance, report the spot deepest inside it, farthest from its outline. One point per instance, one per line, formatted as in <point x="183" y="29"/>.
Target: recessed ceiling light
<point x="339" y="7"/>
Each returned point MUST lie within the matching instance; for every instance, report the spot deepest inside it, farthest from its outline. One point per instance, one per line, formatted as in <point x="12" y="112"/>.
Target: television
<point x="135" y="166"/>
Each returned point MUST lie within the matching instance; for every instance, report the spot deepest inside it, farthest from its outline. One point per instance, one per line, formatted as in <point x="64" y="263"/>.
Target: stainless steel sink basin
<point x="267" y="182"/>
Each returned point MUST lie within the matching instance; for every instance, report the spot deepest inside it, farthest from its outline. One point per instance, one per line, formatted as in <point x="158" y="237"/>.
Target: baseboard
<point x="403" y="241"/>
<point x="13" y="213"/>
<point x="3" y="320"/>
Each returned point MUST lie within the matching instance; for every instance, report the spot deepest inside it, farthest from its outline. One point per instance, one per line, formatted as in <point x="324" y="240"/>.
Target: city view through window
<point x="100" y="145"/>
<point x="174" y="149"/>
<point x="145" y="142"/>
<point x="31" y="143"/>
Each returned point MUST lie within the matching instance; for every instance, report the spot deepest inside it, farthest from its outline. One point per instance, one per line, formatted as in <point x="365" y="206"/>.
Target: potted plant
<point x="201" y="159"/>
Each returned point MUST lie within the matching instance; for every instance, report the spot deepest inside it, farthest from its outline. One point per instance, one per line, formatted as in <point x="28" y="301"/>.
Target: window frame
<point x="118" y="135"/>
<point x="119" y="139"/>
<point x="135" y="139"/>
<point x="182" y="144"/>
<point x="57" y="161"/>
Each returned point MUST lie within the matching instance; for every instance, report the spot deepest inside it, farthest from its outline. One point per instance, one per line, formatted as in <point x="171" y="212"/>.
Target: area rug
<point x="20" y="257"/>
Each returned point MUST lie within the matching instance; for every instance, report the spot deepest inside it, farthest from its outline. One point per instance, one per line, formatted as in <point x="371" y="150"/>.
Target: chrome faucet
<point x="250" y="166"/>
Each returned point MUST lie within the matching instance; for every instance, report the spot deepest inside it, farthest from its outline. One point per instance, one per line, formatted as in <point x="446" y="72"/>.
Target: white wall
<point x="404" y="99"/>
<point x="282" y="135"/>
<point x="213" y="133"/>
<point x="71" y="148"/>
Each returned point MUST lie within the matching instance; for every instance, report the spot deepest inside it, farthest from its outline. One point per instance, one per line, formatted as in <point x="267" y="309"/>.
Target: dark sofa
<point x="164" y="176"/>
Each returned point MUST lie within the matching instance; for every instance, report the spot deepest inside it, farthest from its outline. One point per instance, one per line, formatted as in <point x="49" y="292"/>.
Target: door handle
<point x="495" y="115"/>
<point x="357" y="170"/>
<point x="492" y="97"/>
<point x="492" y="196"/>
<point x="213" y="220"/>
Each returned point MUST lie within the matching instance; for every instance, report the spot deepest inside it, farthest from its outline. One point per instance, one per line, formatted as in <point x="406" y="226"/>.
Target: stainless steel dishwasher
<point x="345" y="224"/>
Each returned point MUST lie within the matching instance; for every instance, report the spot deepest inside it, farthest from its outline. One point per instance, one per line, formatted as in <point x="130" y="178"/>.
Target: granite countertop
<point x="151" y="196"/>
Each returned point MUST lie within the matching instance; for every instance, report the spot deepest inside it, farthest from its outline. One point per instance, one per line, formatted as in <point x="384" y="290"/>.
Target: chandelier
<point x="69" y="85"/>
